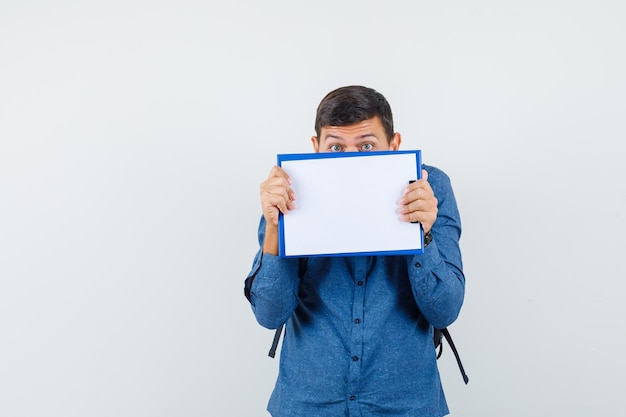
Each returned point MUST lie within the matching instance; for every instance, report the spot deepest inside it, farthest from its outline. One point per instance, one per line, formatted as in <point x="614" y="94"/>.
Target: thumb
<point x="424" y="174"/>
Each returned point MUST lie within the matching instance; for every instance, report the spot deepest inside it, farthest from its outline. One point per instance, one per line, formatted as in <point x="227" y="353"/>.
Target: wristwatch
<point x="428" y="237"/>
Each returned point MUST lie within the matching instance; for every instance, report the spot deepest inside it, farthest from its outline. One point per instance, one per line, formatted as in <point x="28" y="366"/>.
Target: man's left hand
<point x="418" y="203"/>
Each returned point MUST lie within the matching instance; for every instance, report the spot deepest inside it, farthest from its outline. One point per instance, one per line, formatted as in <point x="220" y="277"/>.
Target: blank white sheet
<point x="348" y="205"/>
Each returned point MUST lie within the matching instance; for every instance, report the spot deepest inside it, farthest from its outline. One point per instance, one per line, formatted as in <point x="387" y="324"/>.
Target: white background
<point x="134" y="135"/>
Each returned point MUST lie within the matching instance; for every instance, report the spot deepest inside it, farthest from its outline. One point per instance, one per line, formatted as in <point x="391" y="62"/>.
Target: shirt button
<point x="359" y="283"/>
<point x="355" y="358"/>
<point x="357" y="321"/>
<point x="417" y="264"/>
<point x="352" y="398"/>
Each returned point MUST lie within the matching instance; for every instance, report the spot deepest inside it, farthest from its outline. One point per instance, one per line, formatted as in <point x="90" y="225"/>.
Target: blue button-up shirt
<point x="359" y="329"/>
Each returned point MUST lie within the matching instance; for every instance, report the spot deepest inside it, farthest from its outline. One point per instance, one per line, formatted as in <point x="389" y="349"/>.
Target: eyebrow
<point x="361" y="137"/>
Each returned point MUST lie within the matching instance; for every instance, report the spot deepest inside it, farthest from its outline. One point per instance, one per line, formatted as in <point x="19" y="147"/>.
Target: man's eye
<point x="367" y="147"/>
<point x="335" y="148"/>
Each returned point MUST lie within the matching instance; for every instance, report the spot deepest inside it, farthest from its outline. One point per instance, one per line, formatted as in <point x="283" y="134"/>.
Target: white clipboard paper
<point x="346" y="204"/>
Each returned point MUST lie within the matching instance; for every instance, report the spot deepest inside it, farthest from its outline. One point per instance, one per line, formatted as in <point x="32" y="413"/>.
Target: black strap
<point x="444" y="331"/>
<point x="272" y="352"/>
<point x="446" y="334"/>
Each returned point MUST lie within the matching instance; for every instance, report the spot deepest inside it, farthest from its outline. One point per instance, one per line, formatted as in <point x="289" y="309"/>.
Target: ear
<point x="394" y="143"/>
<point x="316" y="145"/>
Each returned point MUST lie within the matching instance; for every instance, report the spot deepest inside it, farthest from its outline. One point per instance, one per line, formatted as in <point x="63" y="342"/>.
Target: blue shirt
<point x="359" y="329"/>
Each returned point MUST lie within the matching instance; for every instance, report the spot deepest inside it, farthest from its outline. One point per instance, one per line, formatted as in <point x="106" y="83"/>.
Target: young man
<point x="359" y="329"/>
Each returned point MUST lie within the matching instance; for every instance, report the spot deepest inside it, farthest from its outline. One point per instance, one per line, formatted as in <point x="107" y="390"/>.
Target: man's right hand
<point x="276" y="195"/>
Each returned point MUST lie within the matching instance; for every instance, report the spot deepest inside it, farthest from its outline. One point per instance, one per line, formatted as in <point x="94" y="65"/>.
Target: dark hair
<point x="352" y="104"/>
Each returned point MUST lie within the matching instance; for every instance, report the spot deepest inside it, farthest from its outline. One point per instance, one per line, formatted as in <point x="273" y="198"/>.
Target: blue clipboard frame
<point x="282" y="158"/>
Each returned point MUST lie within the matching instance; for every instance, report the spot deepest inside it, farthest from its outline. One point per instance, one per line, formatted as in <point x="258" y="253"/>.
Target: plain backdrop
<point x="134" y="135"/>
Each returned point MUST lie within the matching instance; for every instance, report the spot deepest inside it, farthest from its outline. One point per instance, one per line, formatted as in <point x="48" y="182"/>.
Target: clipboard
<point x="346" y="204"/>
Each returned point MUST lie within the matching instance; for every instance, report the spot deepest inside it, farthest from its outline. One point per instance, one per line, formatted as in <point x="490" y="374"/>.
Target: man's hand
<point x="276" y="195"/>
<point x="419" y="204"/>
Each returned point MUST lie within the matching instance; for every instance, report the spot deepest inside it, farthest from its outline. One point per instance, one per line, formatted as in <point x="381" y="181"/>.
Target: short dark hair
<point x="352" y="104"/>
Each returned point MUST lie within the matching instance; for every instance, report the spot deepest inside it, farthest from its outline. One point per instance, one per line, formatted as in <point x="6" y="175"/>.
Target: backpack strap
<point x="438" y="334"/>
<point x="446" y="334"/>
<point x="272" y="351"/>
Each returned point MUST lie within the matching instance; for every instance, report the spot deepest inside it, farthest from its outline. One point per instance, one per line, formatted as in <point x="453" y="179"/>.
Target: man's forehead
<point x="372" y="126"/>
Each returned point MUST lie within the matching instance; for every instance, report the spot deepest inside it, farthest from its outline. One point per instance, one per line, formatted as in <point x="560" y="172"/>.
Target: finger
<point x="277" y="171"/>
<point x="416" y="185"/>
<point x="276" y="201"/>
<point x="412" y="216"/>
<point x="278" y="196"/>
<point x="426" y="218"/>
<point x="272" y="210"/>
<point x="414" y="194"/>
<point x="413" y="207"/>
<point x="418" y="209"/>
<point x="280" y="189"/>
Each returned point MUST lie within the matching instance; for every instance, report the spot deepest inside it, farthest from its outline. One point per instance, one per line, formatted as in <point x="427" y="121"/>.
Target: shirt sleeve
<point x="272" y="286"/>
<point x="436" y="276"/>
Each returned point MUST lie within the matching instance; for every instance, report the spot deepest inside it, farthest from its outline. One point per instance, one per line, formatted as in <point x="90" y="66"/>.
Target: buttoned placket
<point x="356" y="345"/>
